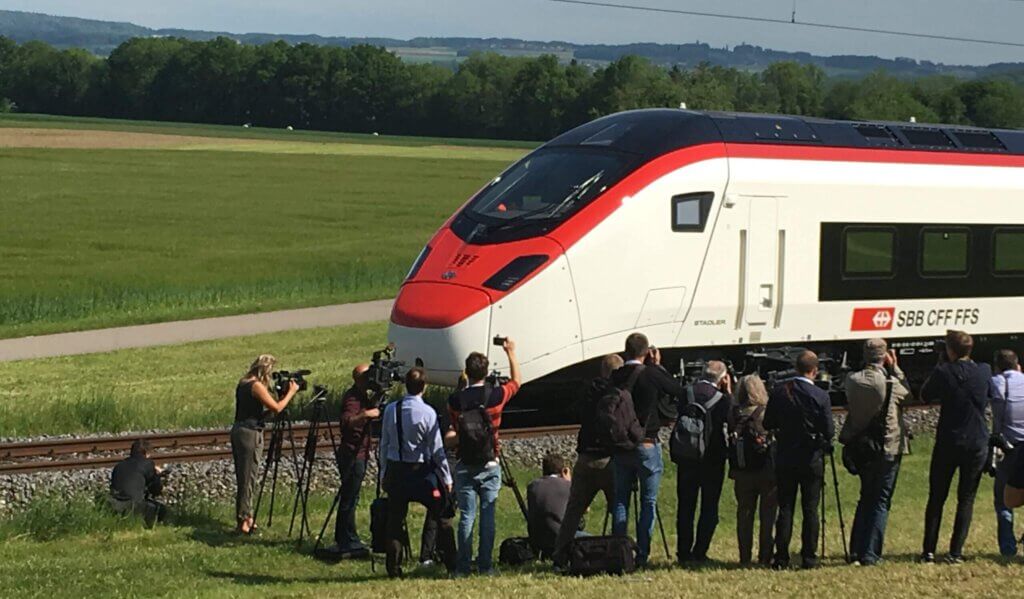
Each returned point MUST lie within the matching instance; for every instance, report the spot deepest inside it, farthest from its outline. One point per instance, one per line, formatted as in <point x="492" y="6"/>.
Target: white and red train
<point x="719" y="235"/>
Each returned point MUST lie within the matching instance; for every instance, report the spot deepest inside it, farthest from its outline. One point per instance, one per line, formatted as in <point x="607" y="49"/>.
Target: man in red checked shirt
<point x="476" y="418"/>
<point x="353" y="451"/>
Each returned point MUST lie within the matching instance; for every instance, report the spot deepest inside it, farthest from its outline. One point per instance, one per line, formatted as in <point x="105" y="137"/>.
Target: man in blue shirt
<point x="414" y="468"/>
<point x="1008" y="421"/>
<point x="800" y="413"/>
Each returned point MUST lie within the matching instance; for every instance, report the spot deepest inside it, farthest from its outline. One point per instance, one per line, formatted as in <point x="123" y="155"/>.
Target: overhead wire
<point x="793" y="21"/>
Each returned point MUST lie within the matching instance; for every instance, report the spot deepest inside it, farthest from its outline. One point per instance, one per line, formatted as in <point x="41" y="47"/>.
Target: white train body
<point x="746" y="232"/>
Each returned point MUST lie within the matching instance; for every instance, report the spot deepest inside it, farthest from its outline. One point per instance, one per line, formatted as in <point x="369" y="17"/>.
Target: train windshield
<point x="544" y="189"/>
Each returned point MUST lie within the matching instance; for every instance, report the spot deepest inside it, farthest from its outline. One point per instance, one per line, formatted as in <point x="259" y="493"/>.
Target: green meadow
<point x="100" y="237"/>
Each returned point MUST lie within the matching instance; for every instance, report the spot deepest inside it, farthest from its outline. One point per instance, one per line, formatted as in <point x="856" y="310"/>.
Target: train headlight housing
<point x="514" y="272"/>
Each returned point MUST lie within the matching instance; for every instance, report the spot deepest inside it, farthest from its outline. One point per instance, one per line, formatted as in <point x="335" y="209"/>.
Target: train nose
<point x="441" y="324"/>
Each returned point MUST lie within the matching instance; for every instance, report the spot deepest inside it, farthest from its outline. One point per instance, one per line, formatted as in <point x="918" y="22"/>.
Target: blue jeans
<point x="877" y="483"/>
<point x="473" y="483"/>
<point x="1004" y="515"/>
<point x="643" y="464"/>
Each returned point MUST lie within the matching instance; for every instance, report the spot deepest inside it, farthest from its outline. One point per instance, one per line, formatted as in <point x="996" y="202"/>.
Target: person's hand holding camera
<point x="509" y="346"/>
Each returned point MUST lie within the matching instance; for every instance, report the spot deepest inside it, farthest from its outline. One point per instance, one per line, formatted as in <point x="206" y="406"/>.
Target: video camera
<point x="282" y="378"/>
<point x="384" y="370"/>
<point x="496" y="379"/>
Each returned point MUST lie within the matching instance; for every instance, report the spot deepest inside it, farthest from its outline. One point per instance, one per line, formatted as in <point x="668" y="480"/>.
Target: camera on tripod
<point x="384" y="370"/>
<point x="496" y="379"/>
<point x="282" y="377"/>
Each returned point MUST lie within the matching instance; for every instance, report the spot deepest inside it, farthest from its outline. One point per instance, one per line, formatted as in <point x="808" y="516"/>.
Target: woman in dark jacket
<point x="755" y="482"/>
<point x="252" y="399"/>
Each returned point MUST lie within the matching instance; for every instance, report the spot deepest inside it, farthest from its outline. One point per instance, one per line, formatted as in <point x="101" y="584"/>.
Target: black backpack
<point x="692" y="433"/>
<point x="749" y="448"/>
<point x="476" y="437"/>
<point x="589" y="556"/>
<point x="516" y="551"/>
<point x="618" y="429"/>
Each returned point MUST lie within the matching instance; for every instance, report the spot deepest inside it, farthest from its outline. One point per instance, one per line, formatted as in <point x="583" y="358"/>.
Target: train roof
<point x="656" y="131"/>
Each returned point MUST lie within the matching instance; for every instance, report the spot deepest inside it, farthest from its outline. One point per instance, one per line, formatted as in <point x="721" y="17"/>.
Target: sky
<point x="546" y="20"/>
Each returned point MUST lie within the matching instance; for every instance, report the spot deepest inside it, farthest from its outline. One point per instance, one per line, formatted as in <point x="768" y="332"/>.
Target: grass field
<point x="96" y="237"/>
<point x="53" y="548"/>
<point x="171" y="387"/>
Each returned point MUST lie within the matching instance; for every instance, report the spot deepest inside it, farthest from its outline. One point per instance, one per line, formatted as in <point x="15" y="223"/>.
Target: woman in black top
<point x="252" y="399"/>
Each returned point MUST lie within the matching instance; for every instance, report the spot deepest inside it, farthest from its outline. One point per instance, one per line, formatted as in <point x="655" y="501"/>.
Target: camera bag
<point x="516" y="551"/>
<point x="613" y="554"/>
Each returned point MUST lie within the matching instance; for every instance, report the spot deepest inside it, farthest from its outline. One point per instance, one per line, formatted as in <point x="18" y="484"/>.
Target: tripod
<point x="272" y="462"/>
<point x="317" y="422"/>
<point x="839" y="509"/>
<point x="634" y="498"/>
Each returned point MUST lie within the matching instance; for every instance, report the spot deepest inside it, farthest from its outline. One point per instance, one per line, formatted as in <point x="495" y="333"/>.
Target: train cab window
<point x="944" y="252"/>
<point x="868" y="252"/>
<point x="1008" y="251"/>
<point x="690" y="211"/>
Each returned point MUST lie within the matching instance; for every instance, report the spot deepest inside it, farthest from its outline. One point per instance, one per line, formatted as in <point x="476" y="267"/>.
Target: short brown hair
<point x="1006" y="359"/>
<point x="806" y="362"/>
<point x="610" y="364"/>
<point x="553" y="464"/>
<point x="636" y="346"/>
<point x="960" y="343"/>
<point x="476" y="366"/>
<point x="415" y="381"/>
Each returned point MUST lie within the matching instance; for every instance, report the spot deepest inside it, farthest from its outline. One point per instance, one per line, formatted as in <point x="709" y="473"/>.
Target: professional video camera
<point x="384" y="370"/>
<point x="282" y="377"/>
<point x="496" y="379"/>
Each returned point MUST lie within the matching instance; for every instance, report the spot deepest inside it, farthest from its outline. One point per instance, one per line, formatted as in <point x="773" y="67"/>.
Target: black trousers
<point x="808" y="479"/>
<point x="703" y="479"/>
<point x="409" y="483"/>
<point x="946" y="460"/>
<point x="352" y="471"/>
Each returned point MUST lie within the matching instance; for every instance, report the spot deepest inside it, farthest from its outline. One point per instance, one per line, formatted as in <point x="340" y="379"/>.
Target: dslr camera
<point x="282" y="377"/>
<point x="384" y="370"/>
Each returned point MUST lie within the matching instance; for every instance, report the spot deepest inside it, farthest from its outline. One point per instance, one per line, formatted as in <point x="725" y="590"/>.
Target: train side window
<point x="945" y="252"/>
<point x="690" y="211"/>
<point x="1008" y="251"/>
<point x="868" y="252"/>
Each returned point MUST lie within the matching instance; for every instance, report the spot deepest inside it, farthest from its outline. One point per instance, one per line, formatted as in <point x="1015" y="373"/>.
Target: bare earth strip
<point x="90" y="139"/>
<point x="184" y="331"/>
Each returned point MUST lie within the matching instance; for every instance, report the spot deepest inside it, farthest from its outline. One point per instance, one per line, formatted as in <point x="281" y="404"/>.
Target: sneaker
<point x="954" y="560"/>
<point x="427" y="563"/>
<point x="809" y="564"/>
<point x="926" y="558"/>
<point x="780" y="565"/>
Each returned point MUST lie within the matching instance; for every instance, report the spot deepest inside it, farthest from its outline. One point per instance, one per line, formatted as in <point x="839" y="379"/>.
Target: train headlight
<point x="514" y="272"/>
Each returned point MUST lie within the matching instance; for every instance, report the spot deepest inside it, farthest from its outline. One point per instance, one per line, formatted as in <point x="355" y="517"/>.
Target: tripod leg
<point x="839" y="508"/>
<point x="607" y="517"/>
<point x="823" y="527"/>
<point x="330" y="514"/>
<point x="664" y="539"/>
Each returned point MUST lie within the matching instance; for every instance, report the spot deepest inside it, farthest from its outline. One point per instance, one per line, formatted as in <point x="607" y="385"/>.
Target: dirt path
<point x="184" y="331"/>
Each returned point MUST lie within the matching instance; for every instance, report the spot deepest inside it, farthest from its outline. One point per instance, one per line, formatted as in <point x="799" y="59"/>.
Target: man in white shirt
<point x="414" y="468"/>
<point x="1008" y="421"/>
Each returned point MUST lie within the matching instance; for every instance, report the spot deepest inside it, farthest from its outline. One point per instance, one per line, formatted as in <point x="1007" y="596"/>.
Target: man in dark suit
<point x="800" y="413"/>
<point x="964" y="388"/>
<point x="546" y="499"/>
<point x="135" y="483"/>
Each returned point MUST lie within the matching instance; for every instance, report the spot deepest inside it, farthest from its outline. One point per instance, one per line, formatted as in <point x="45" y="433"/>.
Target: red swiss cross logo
<point x="872" y="319"/>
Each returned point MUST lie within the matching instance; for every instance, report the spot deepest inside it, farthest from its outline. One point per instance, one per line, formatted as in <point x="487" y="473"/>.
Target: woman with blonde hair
<point x="252" y="399"/>
<point x="751" y="467"/>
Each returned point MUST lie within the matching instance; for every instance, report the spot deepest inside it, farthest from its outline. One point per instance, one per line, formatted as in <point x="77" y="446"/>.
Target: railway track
<point x="188" y="446"/>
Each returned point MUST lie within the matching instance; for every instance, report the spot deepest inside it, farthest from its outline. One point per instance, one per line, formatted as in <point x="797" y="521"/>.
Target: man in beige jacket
<point x="867" y="393"/>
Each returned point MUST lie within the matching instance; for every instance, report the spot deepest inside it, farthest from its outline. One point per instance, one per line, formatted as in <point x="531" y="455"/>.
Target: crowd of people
<point x="774" y="444"/>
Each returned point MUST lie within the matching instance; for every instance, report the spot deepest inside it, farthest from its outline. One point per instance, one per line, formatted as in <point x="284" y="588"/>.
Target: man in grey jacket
<point x="866" y="394"/>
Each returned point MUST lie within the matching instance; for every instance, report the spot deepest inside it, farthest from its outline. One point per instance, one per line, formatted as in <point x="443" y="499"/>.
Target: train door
<point x="762" y="272"/>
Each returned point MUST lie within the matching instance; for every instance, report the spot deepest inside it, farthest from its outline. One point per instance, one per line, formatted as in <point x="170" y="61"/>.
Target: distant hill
<point x="101" y="37"/>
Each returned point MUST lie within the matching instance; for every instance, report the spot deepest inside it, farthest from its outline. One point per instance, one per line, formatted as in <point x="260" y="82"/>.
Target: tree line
<point x="368" y="89"/>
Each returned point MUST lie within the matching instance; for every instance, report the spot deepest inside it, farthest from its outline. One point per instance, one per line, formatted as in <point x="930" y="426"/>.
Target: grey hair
<point x="874" y="350"/>
<point x="714" y="370"/>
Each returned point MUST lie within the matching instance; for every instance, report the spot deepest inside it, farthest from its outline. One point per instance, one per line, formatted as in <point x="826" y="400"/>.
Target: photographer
<point x="875" y="444"/>
<point x="1008" y="435"/>
<point x="476" y="418"/>
<point x="961" y="440"/>
<point x="134" y="483"/>
<point x="353" y="452"/>
<point x="800" y="413"/>
<point x="252" y="399"/>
